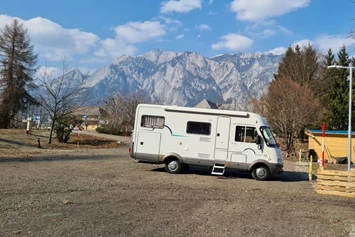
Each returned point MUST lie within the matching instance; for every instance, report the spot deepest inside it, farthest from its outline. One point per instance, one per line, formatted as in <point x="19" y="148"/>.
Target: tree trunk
<point x="67" y="136"/>
<point x="51" y="132"/>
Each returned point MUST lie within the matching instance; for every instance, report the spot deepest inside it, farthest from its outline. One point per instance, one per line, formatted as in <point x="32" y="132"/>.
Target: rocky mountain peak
<point x="186" y="78"/>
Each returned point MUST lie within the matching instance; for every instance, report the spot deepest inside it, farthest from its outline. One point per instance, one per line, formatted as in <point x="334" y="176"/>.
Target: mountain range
<point x="185" y="78"/>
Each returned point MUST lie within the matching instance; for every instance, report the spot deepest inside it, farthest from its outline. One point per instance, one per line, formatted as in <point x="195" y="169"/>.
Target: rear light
<point x="130" y="150"/>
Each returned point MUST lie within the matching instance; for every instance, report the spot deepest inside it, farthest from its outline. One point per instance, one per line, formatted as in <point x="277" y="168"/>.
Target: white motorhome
<point x="220" y="139"/>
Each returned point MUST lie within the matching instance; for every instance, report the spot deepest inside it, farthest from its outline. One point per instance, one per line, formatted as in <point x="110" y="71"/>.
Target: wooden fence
<point x="336" y="182"/>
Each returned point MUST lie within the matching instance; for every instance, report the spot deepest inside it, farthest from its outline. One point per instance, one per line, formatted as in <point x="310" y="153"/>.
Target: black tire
<point x="173" y="166"/>
<point x="260" y="173"/>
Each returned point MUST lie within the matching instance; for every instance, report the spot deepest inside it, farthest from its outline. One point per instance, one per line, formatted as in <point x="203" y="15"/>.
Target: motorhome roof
<point x="200" y="111"/>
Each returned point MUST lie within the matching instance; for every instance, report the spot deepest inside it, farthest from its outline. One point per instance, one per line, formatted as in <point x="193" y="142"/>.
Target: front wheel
<point x="173" y="166"/>
<point x="261" y="173"/>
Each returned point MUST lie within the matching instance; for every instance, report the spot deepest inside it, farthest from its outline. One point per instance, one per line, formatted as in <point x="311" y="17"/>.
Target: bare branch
<point x="61" y="95"/>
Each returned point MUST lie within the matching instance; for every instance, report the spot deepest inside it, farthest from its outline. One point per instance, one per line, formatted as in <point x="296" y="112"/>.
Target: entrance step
<point x="218" y="169"/>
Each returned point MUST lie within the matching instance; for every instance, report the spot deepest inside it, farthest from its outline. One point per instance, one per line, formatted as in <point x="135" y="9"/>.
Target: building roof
<point x="331" y="132"/>
<point x="88" y="111"/>
<point x="206" y="104"/>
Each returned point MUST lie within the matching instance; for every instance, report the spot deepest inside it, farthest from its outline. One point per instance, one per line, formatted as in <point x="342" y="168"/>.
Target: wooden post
<point x="310" y="168"/>
<point x="323" y="143"/>
<point x="300" y="156"/>
<point x="78" y="140"/>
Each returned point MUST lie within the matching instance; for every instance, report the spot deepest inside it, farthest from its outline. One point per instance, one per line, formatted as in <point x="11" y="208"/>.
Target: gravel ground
<point x="105" y="193"/>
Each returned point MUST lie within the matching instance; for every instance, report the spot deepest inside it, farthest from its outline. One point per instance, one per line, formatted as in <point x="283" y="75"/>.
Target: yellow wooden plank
<point x="336" y="188"/>
<point x="336" y="172"/>
<point x="335" y="183"/>
<point x="335" y="193"/>
<point x="335" y="178"/>
<point x="329" y="171"/>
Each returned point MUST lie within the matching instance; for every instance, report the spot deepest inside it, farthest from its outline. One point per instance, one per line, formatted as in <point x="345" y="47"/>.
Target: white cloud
<point x="180" y="36"/>
<point x="234" y="42"/>
<point x="137" y="32"/>
<point x="324" y="42"/>
<point x="43" y="72"/>
<point x="203" y="27"/>
<point x="112" y="48"/>
<point x="260" y="31"/>
<point x="52" y="41"/>
<point x="284" y="30"/>
<point x="169" y="21"/>
<point x="278" y="51"/>
<point x="210" y="2"/>
<point x="181" y="6"/>
<point x="335" y="42"/>
<point x="321" y="43"/>
<point x="171" y="24"/>
<point x="302" y="43"/>
<point x="7" y="20"/>
<point x="127" y="36"/>
<point x="264" y="23"/>
<point x="267" y="33"/>
<point x="257" y="10"/>
<point x="198" y="36"/>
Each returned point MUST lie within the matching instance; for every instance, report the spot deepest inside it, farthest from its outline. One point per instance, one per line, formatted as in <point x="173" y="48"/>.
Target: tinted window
<point x="239" y="134"/>
<point x="245" y="134"/>
<point x="250" y="135"/>
<point x="152" y="121"/>
<point x="198" y="128"/>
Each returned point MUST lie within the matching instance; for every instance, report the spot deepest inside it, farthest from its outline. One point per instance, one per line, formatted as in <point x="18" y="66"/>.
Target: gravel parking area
<point x="106" y="193"/>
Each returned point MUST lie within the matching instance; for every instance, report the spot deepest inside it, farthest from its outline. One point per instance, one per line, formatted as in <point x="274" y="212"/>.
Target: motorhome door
<point x="222" y="138"/>
<point x="243" y="148"/>
<point x="148" y="146"/>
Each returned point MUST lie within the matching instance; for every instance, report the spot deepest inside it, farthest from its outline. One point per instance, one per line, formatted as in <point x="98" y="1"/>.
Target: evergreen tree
<point x="287" y="66"/>
<point x="339" y="95"/>
<point x="326" y="81"/>
<point x="17" y="61"/>
<point x="310" y="67"/>
<point x="300" y="65"/>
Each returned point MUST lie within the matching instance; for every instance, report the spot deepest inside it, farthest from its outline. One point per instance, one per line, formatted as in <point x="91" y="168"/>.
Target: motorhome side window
<point x="245" y="134"/>
<point x="198" y="128"/>
<point x="152" y="121"/>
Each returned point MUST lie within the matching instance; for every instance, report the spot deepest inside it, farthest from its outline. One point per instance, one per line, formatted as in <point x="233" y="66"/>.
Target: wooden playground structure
<point x="333" y="148"/>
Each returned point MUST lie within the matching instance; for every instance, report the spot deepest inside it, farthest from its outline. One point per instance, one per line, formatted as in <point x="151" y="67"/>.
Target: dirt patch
<point x="103" y="192"/>
<point x="65" y="190"/>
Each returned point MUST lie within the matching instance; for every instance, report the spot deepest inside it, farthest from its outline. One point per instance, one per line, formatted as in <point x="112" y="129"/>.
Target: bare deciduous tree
<point x="289" y="107"/>
<point x="60" y="95"/>
<point x="122" y="109"/>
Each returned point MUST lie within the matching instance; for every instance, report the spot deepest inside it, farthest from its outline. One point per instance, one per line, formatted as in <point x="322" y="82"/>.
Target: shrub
<point x="119" y="131"/>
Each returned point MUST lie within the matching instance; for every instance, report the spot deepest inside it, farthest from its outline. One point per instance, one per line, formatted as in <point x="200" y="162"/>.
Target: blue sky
<point x="92" y="33"/>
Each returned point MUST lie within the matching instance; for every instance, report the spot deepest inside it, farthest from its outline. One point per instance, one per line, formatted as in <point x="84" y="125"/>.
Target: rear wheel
<point x="173" y="166"/>
<point x="260" y="173"/>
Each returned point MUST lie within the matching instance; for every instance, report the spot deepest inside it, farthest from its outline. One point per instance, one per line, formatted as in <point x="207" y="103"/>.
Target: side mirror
<point x="258" y="140"/>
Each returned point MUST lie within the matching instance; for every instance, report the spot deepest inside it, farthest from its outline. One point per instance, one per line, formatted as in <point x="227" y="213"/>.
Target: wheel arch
<point x="171" y="156"/>
<point x="259" y="163"/>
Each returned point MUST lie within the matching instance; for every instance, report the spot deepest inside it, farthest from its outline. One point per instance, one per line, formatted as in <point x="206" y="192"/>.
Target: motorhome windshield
<point x="268" y="136"/>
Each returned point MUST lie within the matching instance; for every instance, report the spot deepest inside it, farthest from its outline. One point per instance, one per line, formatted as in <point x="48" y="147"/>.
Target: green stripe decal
<point x="176" y="135"/>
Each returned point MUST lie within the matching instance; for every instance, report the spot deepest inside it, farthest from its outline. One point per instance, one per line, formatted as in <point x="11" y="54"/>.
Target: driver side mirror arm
<point x="259" y="141"/>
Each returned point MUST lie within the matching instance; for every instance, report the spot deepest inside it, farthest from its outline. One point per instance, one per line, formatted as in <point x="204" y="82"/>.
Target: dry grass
<point x="16" y="142"/>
